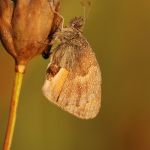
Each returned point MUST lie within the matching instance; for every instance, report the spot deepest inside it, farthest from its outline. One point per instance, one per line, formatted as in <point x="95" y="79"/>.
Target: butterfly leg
<point x="58" y="14"/>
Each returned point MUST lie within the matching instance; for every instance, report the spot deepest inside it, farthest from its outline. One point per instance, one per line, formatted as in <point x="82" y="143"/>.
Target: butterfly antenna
<point x="86" y="4"/>
<point x="89" y="9"/>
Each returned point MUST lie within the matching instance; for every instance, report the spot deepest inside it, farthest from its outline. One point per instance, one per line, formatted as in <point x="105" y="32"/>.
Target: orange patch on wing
<point x="58" y="81"/>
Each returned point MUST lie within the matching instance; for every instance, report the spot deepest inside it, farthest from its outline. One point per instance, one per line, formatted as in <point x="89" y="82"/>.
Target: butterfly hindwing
<point x="74" y="81"/>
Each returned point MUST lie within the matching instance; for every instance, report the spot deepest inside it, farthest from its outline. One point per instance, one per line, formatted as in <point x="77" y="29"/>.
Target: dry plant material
<point x="24" y="26"/>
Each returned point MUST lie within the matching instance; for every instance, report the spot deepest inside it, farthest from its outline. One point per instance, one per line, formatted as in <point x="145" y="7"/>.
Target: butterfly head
<point x="77" y="23"/>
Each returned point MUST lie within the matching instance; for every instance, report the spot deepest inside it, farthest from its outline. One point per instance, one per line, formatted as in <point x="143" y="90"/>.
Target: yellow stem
<point x="13" y="110"/>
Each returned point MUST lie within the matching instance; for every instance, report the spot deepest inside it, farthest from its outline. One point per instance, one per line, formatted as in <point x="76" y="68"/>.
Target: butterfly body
<point x="73" y="80"/>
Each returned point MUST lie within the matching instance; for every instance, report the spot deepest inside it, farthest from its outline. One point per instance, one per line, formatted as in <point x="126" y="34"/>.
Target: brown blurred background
<point x="119" y="32"/>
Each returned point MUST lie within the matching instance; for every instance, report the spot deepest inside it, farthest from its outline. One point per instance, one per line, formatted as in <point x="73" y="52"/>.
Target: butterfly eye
<point x="47" y="52"/>
<point x="14" y="2"/>
<point x="53" y="70"/>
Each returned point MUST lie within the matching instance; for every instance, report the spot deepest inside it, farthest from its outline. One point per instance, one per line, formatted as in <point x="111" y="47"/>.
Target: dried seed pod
<point x="24" y="26"/>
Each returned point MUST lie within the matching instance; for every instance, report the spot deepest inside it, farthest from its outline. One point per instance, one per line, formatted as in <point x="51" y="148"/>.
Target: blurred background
<point x="119" y="33"/>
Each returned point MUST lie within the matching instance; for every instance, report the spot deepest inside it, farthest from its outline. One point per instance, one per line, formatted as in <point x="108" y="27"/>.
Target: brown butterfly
<point x="73" y="77"/>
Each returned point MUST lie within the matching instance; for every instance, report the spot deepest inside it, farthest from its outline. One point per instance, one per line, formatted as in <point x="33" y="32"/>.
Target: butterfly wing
<point x="74" y="81"/>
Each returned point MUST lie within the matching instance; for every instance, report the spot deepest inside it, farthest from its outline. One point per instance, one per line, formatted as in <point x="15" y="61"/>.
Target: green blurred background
<point x="119" y="32"/>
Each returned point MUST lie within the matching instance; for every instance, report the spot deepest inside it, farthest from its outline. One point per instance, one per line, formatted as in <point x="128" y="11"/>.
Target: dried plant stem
<point x="13" y="110"/>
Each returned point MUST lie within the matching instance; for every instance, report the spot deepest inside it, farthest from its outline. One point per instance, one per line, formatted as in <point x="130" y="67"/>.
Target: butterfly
<point x="73" y="76"/>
